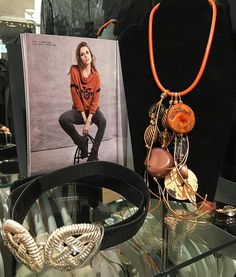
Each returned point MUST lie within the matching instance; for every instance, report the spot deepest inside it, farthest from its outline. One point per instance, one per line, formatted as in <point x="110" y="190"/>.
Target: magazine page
<point x="51" y="73"/>
<point x="124" y="140"/>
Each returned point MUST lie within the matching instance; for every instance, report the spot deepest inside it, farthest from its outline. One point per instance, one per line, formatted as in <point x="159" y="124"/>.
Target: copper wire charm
<point x="156" y="111"/>
<point x="157" y="107"/>
<point x="163" y="120"/>
<point x="181" y="148"/>
<point x="165" y="138"/>
<point x="150" y="135"/>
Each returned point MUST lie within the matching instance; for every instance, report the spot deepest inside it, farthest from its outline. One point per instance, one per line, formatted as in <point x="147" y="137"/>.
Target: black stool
<point x="77" y="155"/>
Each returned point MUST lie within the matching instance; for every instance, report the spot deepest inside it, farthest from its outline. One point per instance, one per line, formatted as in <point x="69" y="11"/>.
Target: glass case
<point x="164" y="246"/>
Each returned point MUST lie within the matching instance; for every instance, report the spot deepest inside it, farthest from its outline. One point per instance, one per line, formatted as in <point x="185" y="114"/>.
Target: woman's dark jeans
<point x="71" y="117"/>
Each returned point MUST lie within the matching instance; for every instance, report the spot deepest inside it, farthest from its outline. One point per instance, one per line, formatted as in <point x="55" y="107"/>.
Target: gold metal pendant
<point x="179" y="188"/>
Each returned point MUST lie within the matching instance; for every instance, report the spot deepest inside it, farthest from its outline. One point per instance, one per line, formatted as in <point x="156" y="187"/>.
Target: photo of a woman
<point x="75" y="104"/>
<point x="85" y="91"/>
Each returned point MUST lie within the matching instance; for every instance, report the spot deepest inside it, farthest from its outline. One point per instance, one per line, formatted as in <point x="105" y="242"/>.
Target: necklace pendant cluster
<point x="166" y="137"/>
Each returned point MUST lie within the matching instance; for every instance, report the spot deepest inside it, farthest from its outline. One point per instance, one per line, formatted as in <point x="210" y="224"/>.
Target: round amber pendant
<point x="180" y="118"/>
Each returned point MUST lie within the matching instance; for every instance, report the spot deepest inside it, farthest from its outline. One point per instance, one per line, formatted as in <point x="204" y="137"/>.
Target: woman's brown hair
<point x="78" y="58"/>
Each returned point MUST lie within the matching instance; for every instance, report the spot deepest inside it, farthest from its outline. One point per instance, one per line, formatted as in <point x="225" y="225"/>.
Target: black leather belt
<point x="93" y="236"/>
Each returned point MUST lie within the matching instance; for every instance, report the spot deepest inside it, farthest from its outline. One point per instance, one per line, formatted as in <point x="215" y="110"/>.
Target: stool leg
<point x="77" y="155"/>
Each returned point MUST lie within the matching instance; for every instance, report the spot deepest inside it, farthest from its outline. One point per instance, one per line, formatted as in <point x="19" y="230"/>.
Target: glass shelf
<point x="164" y="246"/>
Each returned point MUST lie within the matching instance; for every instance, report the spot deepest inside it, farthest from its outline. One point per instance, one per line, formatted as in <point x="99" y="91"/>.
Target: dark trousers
<point x="71" y="117"/>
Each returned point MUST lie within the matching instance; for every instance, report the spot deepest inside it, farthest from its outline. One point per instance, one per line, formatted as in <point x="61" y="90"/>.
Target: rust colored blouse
<point x="85" y="92"/>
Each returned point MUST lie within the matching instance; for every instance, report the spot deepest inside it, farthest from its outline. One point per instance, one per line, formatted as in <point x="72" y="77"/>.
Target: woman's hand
<point x="86" y="127"/>
<point x="84" y="116"/>
<point x="87" y="124"/>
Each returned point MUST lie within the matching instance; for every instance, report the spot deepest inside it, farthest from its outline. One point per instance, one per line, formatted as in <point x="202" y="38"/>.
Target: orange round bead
<point x="180" y="118"/>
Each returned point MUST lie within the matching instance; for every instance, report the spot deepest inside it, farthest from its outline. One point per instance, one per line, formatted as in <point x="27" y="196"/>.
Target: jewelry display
<point x="166" y="137"/>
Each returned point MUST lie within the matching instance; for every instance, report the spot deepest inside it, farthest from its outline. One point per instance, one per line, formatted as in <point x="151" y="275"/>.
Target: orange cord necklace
<point x="205" y="57"/>
<point x="172" y="125"/>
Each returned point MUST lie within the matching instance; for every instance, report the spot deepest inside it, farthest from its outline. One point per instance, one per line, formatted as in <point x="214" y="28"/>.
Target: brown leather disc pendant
<point x="180" y="118"/>
<point x="160" y="163"/>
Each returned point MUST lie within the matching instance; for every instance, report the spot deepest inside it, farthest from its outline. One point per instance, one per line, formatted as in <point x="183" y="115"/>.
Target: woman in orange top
<point x="85" y="92"/>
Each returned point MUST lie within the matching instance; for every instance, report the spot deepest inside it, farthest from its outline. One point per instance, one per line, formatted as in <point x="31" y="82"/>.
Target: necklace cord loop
<point x="204" y="60"/>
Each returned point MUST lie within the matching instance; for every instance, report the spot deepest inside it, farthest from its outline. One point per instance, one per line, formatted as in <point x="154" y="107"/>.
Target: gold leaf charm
<point x="150" y="135"/>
